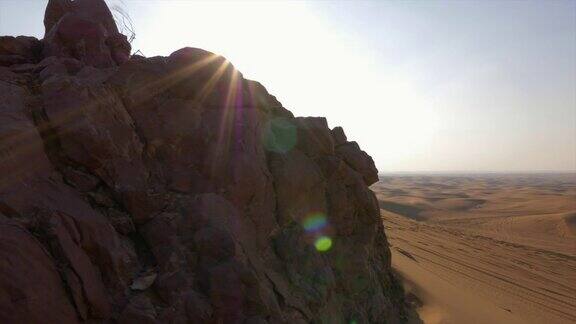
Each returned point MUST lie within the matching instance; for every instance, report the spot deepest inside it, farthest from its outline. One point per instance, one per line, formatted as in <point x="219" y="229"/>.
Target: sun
<point x="311" y="66"/>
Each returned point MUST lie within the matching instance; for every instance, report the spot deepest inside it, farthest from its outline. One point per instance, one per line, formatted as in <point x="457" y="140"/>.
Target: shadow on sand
<point x="411" y="212"/>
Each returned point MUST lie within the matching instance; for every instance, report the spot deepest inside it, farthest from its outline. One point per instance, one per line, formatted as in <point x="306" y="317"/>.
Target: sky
<point x="422" y="86"/>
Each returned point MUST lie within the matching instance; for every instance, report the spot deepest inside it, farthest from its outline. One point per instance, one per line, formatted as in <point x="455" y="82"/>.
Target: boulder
<point x="338" y="135"/>
<point x="19" y="50"/>
<point x="84" y="30"/>
<point x="358" y="160"/>
<point x="314" y="137"/>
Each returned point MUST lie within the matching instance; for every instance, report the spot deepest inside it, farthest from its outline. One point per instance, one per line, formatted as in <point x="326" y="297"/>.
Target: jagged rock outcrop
<point x="85" y="30"/>
<point x="173" y="190"/>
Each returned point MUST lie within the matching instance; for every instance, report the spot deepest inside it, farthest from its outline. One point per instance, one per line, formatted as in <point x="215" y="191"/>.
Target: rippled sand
<point x="484" y="249"/>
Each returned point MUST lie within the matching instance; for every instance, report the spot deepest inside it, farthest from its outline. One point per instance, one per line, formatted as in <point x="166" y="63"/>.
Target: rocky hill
<point x="173" y="190"/>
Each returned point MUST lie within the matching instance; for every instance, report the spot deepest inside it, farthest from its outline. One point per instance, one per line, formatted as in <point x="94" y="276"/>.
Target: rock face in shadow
<point x="85" y="30"/>
<point x="173" y="190"/>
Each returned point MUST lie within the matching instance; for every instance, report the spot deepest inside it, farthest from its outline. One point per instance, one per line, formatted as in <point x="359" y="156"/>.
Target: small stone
<point x="144" y="282"/>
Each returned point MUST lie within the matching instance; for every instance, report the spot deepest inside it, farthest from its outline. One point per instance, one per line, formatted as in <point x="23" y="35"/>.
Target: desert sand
<point x="484" y="248"/>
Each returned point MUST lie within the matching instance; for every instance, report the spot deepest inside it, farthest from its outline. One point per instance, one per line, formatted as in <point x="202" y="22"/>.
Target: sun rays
<point x="79" y="101"/>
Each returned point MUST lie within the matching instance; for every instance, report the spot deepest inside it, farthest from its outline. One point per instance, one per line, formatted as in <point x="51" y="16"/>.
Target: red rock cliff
<point x="173" y="190"/>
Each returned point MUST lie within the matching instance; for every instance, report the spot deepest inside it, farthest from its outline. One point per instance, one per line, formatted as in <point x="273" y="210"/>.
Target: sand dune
<point x="484" y="249"/>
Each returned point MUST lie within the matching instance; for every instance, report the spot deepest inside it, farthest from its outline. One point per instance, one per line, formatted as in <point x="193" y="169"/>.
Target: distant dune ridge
<point x="484" y="248"/>
<point x="173" y="190"/>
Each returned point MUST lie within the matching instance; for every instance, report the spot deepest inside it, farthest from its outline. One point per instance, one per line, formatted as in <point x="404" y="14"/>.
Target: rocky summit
<point x="173" y="190"/>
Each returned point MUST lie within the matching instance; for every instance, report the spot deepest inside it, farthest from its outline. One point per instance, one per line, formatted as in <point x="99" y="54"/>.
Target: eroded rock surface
<point x="173" y="190"/>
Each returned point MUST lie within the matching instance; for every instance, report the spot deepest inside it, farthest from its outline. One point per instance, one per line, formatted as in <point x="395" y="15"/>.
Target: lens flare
<point x="323" y="244"/>
<point x="314" y="222"/>
<point x="279" y="135"/>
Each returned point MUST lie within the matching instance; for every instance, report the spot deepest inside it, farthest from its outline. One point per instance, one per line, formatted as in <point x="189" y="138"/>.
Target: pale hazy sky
<point x="421" y="85"/>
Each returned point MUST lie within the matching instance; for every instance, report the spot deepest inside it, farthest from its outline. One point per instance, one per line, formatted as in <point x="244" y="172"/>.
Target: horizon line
<point x="481" y="172"/>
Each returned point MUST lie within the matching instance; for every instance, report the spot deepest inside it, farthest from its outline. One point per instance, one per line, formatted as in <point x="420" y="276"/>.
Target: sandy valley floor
<point x="484" y="249"/>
